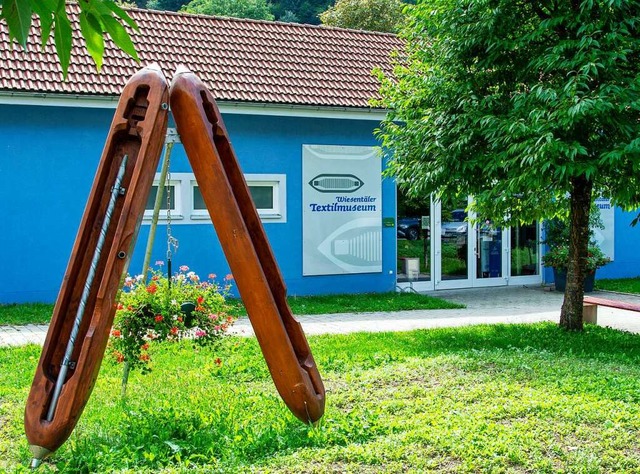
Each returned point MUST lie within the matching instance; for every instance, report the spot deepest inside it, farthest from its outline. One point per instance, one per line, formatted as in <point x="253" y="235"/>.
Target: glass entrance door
<point x="468" y="255"/>
<point x="490" y="255"/>
<point x="452" y="252"/>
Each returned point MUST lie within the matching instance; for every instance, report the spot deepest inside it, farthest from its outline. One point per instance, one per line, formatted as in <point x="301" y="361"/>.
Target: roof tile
<point x="240" y="60"/>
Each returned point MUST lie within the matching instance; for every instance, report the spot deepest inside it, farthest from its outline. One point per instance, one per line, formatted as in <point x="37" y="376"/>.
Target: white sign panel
<point x="342" y="210"/>
<point x="605" y="237"/>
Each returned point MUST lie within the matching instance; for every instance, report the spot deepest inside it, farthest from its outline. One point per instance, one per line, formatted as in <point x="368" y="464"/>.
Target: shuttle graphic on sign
<point x="356" y="246"/>
<point x="342" y="210"/>
<point x="336" y="183"/>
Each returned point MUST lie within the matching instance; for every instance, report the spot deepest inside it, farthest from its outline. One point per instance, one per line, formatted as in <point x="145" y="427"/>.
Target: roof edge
<point x="43" y="99"/>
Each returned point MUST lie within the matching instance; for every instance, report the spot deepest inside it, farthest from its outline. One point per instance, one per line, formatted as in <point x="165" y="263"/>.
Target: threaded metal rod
<point x="64" y="368"/>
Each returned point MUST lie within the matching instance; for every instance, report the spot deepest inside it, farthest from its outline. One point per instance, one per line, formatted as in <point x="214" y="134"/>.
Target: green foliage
<point x="510" y="101"/>
<point x="521" y="398"/>
<point x="305" y="11"/>
<point x="370" y="15"/>
<point x="167" y="310"/>
<point x="532" y="108"/>
<point x="97" y="18"/>
<point x="166" y="5"/>
<point x="254" y="9"/>
<point x="558" y="257"/>
<point x="623" y="285"/>
<point x="28" y="313"/>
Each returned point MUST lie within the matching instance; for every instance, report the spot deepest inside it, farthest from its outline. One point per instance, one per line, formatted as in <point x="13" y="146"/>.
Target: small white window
<point x="267" y="191"/>
<point x="170" y="197"/>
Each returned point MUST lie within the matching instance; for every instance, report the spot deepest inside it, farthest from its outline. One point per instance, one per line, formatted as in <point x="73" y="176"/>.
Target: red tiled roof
<point x="240" y="60"/>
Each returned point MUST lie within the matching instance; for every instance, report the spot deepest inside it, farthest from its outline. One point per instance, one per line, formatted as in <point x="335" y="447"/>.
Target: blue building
<point x="296" y="102"/>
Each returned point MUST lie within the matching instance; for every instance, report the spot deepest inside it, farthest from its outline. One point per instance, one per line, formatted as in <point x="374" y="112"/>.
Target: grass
<point x="29" y="313"/>
<point x="500" y="399"/>
<point x="41" y="313"/>
<point x="623" y="285"/>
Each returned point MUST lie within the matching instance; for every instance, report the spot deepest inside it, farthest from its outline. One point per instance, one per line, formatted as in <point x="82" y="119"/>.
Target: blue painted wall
<point x="48" y="158"/>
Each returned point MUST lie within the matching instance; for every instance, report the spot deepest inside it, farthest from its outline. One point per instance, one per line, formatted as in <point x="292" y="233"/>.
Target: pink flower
<point x="184" y="268"/>
<point x="159" y="263"/>
<point x="213" y="316"/>
<point x="216" y="328"/>
<point x="229" y="277"/>
<point x="200" y="333"/>
<point x="212" y="276"/>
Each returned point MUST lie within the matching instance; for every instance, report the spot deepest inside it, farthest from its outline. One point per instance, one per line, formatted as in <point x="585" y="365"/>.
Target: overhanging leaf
<point x="17" y="14"/>
<point x="91" y="29"/>
<point x="119" y="35"/>
<point x="121" y="14"/>
<point x="62" y="35"/>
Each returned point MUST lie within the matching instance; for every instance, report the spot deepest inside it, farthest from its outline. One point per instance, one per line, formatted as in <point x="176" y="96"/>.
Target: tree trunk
<point x="571" y="314"/>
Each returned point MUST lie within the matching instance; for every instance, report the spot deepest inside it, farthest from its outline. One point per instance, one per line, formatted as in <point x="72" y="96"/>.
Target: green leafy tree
<point x="255" y="9"/>
<point x="531" y="107"/>
<point x="166" y="5"/>
<point x="97" y="18"/>
<point x="370" y="15"/>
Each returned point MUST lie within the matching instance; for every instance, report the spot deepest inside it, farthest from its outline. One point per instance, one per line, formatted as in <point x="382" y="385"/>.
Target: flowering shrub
<point x="159" y="311"/>
<point x="558" y="257"/>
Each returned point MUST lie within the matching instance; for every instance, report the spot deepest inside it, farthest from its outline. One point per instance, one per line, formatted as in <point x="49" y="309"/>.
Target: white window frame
<point x="177" y="212"/>
<point x="184" y="212"/>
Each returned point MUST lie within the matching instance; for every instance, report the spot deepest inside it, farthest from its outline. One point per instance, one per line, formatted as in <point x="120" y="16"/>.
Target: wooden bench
<point x="590" y="311"/>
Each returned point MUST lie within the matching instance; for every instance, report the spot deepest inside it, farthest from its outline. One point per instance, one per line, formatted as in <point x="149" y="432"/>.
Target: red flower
<point x="229" y="319"/>
<point x="144" y="357"/>
<point x="159" y="318"/>
<point x="152" y="289"/>
<point x="119" y="307"/>
<point x="174" y="330"/>
<point x="229" y="277"/>
<point x="218" y="361"/>
<point x="119" y="356"/>
<point x="199" y="308"/>
<point x="116" y="333"/>
<point x="179" y="319"/>
<point x="145" y="346"/>
<point x="155" y="278"/>
<point x="200" y="300"/>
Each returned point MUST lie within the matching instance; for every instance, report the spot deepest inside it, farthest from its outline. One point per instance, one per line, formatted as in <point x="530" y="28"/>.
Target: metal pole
<point x="64" y="368"/>
<point x="170" y="140"/>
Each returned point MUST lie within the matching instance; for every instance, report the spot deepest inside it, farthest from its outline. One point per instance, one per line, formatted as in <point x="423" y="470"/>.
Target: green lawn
<point x="624" y="285"/>
<point x="512" y="399"/>
<point x="300" y="305"/>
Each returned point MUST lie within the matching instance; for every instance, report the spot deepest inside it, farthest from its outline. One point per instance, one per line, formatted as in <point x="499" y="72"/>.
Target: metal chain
<point x="172" y="242"/>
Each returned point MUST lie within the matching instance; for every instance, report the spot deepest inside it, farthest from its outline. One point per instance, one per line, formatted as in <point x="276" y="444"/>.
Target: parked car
<point x="456" y="227"/>
<point x="409" y="227"/>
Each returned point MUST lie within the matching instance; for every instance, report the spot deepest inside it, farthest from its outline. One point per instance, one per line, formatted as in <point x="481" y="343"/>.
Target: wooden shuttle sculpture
<point x="246" y="247"/>
<point x="85" y="308"/>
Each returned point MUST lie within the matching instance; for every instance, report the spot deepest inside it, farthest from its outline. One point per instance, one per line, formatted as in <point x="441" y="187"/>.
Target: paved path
<point x="483" y="306"/>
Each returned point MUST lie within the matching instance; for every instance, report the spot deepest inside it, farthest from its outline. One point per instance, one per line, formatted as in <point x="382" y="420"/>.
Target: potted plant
<point x="557" y="255"/>
<point x="558" y="258"/>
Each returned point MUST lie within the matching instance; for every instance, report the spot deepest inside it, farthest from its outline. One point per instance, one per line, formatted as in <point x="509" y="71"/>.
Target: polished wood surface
<point x="612" y="303"/>
<point x="246" y="247"/>
<point x="138" y="130"/>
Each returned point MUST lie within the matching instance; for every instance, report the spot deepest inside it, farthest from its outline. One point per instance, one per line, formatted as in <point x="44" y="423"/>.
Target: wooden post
<point x="590" y="313"/>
